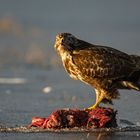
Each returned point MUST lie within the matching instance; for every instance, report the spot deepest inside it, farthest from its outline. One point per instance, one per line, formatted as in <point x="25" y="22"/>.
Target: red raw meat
<point x="70" y="118"/>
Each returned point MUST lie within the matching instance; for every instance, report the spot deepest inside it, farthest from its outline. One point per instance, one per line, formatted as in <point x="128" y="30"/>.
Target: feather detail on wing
<point x="103" y="62"/>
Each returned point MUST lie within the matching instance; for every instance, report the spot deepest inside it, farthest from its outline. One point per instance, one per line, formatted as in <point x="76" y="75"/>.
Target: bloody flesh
<point x="70" y="118"/>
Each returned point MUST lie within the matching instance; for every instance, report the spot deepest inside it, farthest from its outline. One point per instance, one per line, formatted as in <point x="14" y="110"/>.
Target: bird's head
<point x="65" y="41"/>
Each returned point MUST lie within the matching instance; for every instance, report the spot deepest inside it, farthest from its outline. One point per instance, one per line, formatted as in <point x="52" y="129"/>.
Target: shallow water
<point x="69" y="136"/>
<point x="99" y="134"/>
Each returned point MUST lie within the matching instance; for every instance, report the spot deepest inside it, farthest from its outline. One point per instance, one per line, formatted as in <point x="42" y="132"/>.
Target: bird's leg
<point x="96" y="104"/>
<point x="99" y="98"/>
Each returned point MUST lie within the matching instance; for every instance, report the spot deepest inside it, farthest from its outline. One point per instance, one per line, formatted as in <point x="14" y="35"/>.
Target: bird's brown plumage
<point x="104" y="68"/>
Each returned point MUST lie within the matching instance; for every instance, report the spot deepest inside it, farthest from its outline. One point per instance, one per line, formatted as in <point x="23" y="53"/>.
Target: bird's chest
<point x="70" y="66"/>
<point x="78" y="74"/>
<point x="75" y="72"/>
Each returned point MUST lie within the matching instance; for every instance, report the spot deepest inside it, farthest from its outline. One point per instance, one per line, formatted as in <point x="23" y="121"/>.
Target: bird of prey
<point x="103" y="68"/>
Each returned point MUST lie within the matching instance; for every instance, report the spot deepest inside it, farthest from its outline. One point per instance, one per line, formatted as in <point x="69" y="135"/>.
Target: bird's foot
<point x="92" y="107"/>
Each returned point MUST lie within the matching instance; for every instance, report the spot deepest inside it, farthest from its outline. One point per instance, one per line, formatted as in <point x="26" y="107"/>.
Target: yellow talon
<point x="99" y="99"/>
<point x="92" y="107"/>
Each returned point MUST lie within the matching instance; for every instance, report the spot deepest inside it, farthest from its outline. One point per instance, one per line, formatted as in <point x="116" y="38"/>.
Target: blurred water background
<point x="32" y="79"/>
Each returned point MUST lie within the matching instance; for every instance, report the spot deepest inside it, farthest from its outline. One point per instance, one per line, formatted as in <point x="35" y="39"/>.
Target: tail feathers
<point x="131" y="85"/>
<point x="134" y="79"/>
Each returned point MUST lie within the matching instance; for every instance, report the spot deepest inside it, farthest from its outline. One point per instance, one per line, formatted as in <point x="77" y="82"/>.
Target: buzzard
<point x="104" y="68"/>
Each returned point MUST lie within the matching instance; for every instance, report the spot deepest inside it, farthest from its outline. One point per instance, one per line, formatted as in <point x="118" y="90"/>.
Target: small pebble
<point x="47" y="89"/>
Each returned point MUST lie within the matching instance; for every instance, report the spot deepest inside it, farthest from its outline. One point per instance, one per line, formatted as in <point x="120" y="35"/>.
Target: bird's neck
<point x="62" y="52"/>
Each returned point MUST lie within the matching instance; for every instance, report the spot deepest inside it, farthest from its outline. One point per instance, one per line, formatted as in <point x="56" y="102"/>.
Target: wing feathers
<point x="104" y="63"/>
